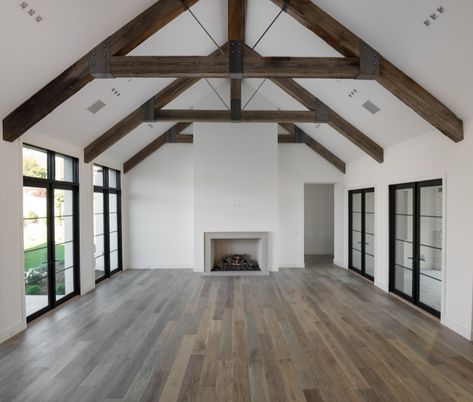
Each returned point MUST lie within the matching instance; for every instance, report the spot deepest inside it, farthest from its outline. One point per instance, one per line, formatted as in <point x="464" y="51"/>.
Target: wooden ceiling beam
<point x="173" y="135"/>
<point x="248" y="116"/>
<point x="390" y="77"/>
<point x="236" y="37"/>
<point x="78" y="75"/>
<point x="299" y="136"/>
<point x="220" y="67"/>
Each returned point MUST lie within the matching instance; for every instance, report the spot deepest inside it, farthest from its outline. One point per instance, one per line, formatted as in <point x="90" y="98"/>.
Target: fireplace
<point x="235" y="252"/>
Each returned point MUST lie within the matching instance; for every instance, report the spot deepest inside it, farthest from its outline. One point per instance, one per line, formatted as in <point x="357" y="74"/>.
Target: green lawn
<point x="36" y="256"/>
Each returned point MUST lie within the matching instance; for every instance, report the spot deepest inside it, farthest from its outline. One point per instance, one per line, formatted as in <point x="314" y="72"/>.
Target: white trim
<point x="11" y="332"/>
<point x="458" y="328"/>
<point x="161" y="266"/>
<point x="296" y="265"/>
<point x="340" y="264"/>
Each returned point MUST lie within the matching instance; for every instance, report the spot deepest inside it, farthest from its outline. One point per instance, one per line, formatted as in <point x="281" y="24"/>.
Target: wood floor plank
<point x="319" y="334"/>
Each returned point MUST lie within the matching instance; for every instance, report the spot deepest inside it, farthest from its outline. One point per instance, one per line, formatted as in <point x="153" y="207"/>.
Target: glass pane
<point x="369" y="244"/>
<point x="113" y="260"/>
<point x="64" y="166"/>
<point x="64" y="229"/>
<point x="98" y="224"/>
<point x="112" y="178"/>
<point x="113" y="241"/>
<point x="113" y="222"/>
<point x="98" y="203"/>
<point x="404" y="236"/>
<point x="64" y="254"/>
<point x="113" y="203"/>
<point x="356" y="202"/>
<point x="98" y="175"/>
<point x="36" y="264"/>
<point x="35" y="163"/>
<point x="99" y="246"/>
<point x="430" y="249"/>
<point x="403" y="280"/>
<point x="356" y="259"/>
<point x="369" y="265"/>
<point x="34" y="203"/>
<point x="63" y="203"/>
<point x="36" y="295"/>
<point x="99" y="267"/>
<point x="64" y="283"/>
<point x="369" y="202"/>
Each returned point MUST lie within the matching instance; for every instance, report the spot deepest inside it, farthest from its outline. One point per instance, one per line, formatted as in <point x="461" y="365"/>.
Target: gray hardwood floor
<point x="320" y="334"/>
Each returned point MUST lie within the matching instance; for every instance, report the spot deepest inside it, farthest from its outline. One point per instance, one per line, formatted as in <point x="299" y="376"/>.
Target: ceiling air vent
<point x="371" y="107"/>
<point x="96" y="107"/>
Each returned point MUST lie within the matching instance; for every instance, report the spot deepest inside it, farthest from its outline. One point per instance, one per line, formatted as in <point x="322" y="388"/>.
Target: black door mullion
<point x="416" y="248"/>
<point x="363" y="233"/>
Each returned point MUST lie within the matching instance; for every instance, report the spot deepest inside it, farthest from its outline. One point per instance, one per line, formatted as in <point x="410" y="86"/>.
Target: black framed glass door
<point x="416" y="243"/>
<point x="107" y="222"/>
<point x="50" y="229"/>
<point x="361" y="232"/>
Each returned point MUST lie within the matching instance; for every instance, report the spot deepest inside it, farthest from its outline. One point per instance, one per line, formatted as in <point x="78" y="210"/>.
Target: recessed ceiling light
<point x="24" y="5"/>
<point x="39" y="18"/>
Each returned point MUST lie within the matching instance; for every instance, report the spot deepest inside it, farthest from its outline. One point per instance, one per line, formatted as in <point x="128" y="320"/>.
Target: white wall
<point x="299" y="165"/>
<point x="318" y="219"/>
<point x="235" y="182"/>
<point x="430" y="156"/>
<point x="160" y="210"/>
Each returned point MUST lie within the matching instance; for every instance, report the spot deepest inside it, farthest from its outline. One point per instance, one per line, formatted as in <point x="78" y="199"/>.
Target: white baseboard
<point x="11" y="332"/>
<point x="339" y="264"/>
<point x="296" y="265"/>
<point x="459" y="329"/>
<point x="161" y="266"/>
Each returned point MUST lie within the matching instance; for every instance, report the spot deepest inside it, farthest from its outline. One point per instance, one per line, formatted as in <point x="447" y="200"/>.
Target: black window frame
<point x="363" y="193"/>
<point x="416" y="244"/>
<point x="50" y="184"/>
<point x="106" y="191"/>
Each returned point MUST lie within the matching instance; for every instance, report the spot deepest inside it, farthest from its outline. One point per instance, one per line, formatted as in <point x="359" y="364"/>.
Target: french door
<point x="50" y="230"/>
<point x="416" y="243"/>
<point x="361" y="232"/>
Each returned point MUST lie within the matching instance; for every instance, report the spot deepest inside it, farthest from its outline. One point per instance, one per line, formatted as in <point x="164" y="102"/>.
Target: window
<point x="50" y="229"/>
<point x="361" y="232"/>
<point x="107" y="222"/>
<point x="416" y="243"/>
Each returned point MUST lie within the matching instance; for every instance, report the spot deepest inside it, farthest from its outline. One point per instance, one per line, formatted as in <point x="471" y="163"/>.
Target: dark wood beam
<point x="236" y="38"/>
<point x="299" y="136"/>
<point x="335" y="120"/>
<point x="218" y="67"/>
<point x="173" y="135"/>
<point x="136" y="118"/>
<point x="223" y="116"/>
<point x="390" y="77"/>
<point x="78" y="75"/>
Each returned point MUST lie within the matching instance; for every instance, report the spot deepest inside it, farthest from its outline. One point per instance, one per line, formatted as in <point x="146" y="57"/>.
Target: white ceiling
<point x="439" y="57"/>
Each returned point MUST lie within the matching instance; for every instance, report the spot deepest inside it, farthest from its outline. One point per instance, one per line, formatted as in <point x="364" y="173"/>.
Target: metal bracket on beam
<point x="236" y="59"/>
<point x="322" y="112"/>
<point x="370" y="61"/>
<point x="235" y="111"/>
<point x="149" y="112"/>
<point x="298" y="135"/>
<point x="170" y="136"/>
<point x="100" y="61"/>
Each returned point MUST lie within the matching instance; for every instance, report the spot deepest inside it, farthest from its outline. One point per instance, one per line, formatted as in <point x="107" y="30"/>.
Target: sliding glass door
<point x="107" y="222"/>
<point x="50" y="229"/>
<point x="416" y="243"/>
<point x="361" y="232"/>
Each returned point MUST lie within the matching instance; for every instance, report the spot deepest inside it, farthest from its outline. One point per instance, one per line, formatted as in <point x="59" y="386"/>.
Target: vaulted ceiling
<point x="437" y="56"/>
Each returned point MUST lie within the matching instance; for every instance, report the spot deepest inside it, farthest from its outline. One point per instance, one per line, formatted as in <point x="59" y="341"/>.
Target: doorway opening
<point x="318" y="223"/>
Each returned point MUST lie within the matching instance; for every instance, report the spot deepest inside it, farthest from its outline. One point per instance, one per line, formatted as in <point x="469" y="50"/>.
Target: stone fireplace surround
<point x="218" y="244"/>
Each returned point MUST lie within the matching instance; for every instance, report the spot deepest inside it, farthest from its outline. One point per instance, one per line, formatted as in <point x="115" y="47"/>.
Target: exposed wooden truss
<point x="390" y="77"/>
<point x="78" y="75"/>
<point x="173" y="135"/>
<point x="223" y="116"/>
<point x="218" y="67"/>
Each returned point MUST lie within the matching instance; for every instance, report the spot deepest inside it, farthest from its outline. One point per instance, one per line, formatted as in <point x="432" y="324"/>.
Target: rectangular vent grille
<point x="96" y="107"/>
<point x="371" y="107"/>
